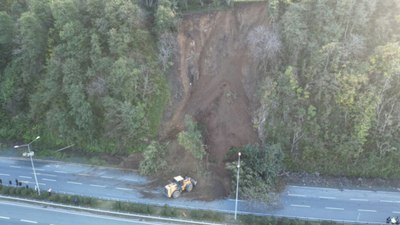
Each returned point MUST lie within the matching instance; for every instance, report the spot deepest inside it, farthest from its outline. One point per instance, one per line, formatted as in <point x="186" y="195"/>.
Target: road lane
<point x="22" y="214"/>
<point x="303" y="202"/>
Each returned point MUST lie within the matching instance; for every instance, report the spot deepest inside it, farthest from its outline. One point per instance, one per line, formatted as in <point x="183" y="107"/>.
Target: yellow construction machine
<point x="179" y="184"/>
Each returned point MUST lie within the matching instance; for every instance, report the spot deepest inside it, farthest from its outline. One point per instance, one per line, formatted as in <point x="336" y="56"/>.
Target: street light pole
<point x="237" y="184"/>
<point x="30" y="154"/>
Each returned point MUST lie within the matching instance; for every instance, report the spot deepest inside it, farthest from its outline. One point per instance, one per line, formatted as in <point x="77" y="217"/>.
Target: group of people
<point x="17" y="183"/>
<point x="393" y="220"/>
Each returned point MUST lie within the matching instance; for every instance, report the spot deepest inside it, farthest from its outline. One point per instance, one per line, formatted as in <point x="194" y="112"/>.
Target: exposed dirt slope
<point x="214" y="80"/>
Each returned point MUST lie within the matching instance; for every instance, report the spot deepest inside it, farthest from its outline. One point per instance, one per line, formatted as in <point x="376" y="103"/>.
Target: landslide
<point x="214" y="79"/>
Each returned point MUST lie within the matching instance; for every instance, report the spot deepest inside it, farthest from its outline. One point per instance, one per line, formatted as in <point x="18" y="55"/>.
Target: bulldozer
<point x="178" y="185"/>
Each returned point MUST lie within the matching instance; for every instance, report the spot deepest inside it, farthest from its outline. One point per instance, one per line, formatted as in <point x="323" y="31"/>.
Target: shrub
<point x="168" y="211"/>
<point x="191" y="138"/>
<point x="206" y="215"/>
<point x="133" y="207"/>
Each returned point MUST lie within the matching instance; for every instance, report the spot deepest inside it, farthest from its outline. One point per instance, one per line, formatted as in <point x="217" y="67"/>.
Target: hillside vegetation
<point x="80" y="72"/>
<point x="330" y="96"/>
<point x="309" y="84"/>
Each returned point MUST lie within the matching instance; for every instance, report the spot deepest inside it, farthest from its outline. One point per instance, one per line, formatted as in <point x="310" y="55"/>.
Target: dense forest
<point x="331" y="96"/>
<point x="82" y="72"/>
<point x="92" y="73"/>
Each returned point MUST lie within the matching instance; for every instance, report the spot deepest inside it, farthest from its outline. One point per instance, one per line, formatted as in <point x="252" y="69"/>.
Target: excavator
<point x="178" y="185"/>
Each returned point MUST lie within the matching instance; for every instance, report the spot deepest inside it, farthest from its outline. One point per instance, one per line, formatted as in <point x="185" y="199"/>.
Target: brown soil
<point x="214" y="80"/>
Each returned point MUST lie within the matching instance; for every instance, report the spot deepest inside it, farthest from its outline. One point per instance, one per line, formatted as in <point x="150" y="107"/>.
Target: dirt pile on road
<point x="214" y="80"/>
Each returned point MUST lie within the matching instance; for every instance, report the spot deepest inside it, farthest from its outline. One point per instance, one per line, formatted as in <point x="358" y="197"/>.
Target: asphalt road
<point x="360" y="206"/>
<point x="13" y="213"/>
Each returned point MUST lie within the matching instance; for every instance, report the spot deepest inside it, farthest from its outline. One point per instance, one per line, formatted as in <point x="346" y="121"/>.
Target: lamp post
<point x="30" y="154"/>
<point x="237" y="184"/>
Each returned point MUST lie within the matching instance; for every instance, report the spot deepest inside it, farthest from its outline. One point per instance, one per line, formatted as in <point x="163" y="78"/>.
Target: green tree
<point x="385" y="70"/>
<point x="6" y="36"/>
<point x="153" y="159"/>
<point x="191" y="138"/>
<point x="166" y="19"/>
<point x="124" y="122"/>
<point x="259" y="170"/>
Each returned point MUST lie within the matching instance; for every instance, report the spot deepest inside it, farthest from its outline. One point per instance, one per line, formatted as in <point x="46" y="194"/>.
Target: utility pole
<point x="237" y="184"/>
<point x="30" y="154"/>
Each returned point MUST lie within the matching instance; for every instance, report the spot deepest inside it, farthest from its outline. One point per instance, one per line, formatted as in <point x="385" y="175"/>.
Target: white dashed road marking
<point x="71" y="182"/>
<point x="25" y="177"/>
<point x="326" y="197"/>
<point x="389" y="201"/>
<point x="28" y="221"/>
<point x="3" y="174"/>
<point x="128" y="179"/>
<point x="296" y="195"/>
<point x="49" y="179"/>
<point x="302" y="206"/>
<point x="359" y="199"/>
<point x="366" y="210"/>
<point x="96" y="185"/>
<point x="83" y="174"/>
<point x="46" y="174"/>
<point x="4" y="217"/>
<point x="334" y="208"/>
<point x="124" y="189"/>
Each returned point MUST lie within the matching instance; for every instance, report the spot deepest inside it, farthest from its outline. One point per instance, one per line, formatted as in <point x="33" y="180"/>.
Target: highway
<point x="25" y="214"/>
<point x="362" y="206"/>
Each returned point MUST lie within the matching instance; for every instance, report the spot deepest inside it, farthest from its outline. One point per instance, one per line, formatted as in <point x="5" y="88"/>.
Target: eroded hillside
<point x="214" y="80"/>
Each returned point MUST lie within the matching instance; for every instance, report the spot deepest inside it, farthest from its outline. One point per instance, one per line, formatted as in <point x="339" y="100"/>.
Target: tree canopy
<point x="333" y="97"/>
<point x="82" y="72"/>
